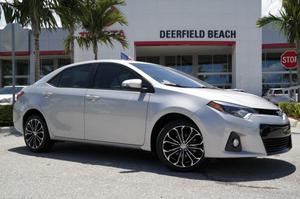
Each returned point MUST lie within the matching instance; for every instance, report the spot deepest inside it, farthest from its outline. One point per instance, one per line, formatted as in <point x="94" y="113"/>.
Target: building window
<point x="47" y="66"/>
<point x="150" y="59"/>
<point x="216" y="70"/>
<point x="274" y="75"/>
<point x="63" y="62"/>
<point x="22" y="72"/>
<point x="182" y="63"/>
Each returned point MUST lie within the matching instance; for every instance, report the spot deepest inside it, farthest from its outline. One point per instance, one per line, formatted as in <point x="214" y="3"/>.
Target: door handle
<point x="47" y="94"/>
<point x="92" y="98"/>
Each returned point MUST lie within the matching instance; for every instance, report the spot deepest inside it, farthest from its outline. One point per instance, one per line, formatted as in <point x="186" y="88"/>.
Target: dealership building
<point x="216" y="41"/>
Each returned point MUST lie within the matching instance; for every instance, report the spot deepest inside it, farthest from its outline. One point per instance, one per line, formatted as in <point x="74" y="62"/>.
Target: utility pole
<point x="13" y="57"/>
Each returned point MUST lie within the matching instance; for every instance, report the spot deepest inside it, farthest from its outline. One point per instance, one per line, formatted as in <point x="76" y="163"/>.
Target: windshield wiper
<point x="175" y="85"/>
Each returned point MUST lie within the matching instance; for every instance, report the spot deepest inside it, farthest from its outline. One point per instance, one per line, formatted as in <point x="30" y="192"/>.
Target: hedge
<point x="290" y="108"/>
<point x="6" y="116"/>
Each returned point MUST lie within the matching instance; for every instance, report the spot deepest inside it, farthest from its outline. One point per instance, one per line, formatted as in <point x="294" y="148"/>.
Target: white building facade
<point x="216" y="41"/>
<point x="213" y="40"/>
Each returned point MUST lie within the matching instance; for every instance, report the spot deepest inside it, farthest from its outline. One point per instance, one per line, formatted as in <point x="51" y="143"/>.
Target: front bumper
<point x="258" y="135"/>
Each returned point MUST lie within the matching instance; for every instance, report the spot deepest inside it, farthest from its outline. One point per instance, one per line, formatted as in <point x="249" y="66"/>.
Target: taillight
<point x="19" y="95"/>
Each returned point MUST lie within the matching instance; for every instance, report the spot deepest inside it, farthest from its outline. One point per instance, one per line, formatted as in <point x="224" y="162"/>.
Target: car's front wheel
<point x="180" y="146"/>
<point x="36" y="134"/>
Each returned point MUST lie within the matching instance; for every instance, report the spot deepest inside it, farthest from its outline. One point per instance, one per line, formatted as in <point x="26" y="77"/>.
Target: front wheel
<point x="36" y="134"/>
<point x="180" y="146"/>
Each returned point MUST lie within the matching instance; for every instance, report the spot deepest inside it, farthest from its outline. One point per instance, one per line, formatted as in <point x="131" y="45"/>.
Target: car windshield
<point x="171" y="77"/>
<point x="9" y="90"/>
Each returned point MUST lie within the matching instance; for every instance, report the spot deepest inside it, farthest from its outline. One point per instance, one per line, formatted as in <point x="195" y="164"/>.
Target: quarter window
<point x="111" y="76"/>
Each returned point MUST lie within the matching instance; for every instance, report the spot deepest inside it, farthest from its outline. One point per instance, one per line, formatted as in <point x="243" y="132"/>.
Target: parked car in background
<point x="180" y="118"/>
<point x="6" y="94"/>
<point x="273" y="92"/>
<point x="276" y="95"/>
<point x="281" y="98"/>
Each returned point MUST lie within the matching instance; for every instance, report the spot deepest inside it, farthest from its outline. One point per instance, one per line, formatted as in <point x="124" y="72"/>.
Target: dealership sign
<point x="289" y="59"/>
<point x="197" y="34"/>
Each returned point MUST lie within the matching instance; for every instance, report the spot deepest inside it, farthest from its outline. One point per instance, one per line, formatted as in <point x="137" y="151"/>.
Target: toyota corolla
<point x="146" y="106"/>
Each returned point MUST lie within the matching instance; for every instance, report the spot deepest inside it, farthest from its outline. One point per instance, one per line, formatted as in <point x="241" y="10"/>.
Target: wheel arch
<point x="162" y="121"/>
<point x="32" y="111"/>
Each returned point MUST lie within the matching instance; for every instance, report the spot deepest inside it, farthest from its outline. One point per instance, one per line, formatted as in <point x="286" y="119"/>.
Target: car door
<point x="63" y="101"/>
<point x="112" y="113"/>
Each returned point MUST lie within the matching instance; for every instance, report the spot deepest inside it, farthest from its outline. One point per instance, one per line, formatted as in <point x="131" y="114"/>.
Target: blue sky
<point x="267" y="6"/>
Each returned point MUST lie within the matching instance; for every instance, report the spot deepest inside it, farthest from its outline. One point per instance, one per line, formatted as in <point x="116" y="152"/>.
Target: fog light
<point x="236" y="143"/>
<point x="233" y="143"/>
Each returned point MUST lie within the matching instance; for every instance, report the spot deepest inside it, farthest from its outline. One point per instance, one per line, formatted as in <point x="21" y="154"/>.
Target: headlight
<point x="232" y="109"/>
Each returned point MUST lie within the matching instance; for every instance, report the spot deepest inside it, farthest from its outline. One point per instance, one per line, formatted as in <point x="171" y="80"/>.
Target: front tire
<point x="180" y="146"/>
<point x="36" y="134"/>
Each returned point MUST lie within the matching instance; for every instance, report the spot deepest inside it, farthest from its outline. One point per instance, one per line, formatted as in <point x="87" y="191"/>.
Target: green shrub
<point x="6" y="116"/>
<point x="291" y="109"/>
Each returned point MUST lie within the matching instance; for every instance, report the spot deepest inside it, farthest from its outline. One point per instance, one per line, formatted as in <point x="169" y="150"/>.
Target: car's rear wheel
<point x="36" y="134"/>
<point x="180" y="146"/>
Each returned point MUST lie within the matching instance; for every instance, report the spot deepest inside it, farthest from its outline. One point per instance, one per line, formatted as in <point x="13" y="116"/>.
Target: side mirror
<point x="132" y="83"/>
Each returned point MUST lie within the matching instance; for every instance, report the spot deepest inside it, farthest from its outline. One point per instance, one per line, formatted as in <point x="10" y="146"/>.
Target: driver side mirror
<point x="132" y="83"/>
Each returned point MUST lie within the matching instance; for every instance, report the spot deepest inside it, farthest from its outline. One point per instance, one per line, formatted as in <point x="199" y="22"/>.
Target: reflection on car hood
<point x="240" y="98"/>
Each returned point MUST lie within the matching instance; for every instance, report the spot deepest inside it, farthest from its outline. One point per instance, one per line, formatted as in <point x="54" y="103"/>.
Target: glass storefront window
<point x="22" y="67"/>
<point x="150" y="59"/>
<point x="182" y="63"/>
<point x="216" y="70"/>
<point x="47" y="66"/>
<point x="274" y="74"/>
<point x="63" y="62"/>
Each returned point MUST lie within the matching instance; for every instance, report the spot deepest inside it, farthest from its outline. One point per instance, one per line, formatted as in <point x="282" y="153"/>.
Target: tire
<point x="180" y="147"/>
<point x="36" y="134"/>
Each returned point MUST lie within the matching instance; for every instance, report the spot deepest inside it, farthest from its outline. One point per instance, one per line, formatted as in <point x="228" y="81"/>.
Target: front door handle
<point x="92" y="98"/>
<point x="47" y="94"/>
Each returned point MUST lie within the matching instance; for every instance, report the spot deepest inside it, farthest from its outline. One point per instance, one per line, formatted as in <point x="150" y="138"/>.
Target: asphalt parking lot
<point x="73" y="170"/>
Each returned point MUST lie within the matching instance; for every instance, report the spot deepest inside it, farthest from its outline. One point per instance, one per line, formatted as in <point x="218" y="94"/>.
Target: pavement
<point x="74" y="170"/>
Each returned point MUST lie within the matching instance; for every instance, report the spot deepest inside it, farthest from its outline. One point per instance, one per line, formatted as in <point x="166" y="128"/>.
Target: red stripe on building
<point x="26" y="53"/>
<point x="278" y="45"/>
<point x="184" y="43"/>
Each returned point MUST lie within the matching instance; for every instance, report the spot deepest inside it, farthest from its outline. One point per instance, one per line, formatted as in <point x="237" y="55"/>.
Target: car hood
<point x="3" y="96"/>
<point x="240" y="98"/>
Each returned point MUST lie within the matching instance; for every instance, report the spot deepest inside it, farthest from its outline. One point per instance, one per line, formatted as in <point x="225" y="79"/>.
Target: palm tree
<point x="68" y="11"/>
<point x="34" y="13"/>
<point x="96" y="17"/>
<point x="288" y="22"/>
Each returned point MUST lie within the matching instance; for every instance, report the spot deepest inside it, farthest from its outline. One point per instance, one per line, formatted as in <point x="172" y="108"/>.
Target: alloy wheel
<point x="34" y="133"/>
<point x="183" y="146"/>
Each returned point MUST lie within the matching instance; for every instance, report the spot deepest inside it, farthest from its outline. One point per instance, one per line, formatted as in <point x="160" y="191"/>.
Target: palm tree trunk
<point x="298" y="66"/>
<point x="95" y="49"/>
<point x="36" y="37"/>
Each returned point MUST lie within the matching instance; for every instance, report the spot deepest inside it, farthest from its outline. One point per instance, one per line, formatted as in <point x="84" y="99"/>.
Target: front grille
<point x="269" y="112"/>
<point x="277" y="145"/>
<point x="276" y="138"/>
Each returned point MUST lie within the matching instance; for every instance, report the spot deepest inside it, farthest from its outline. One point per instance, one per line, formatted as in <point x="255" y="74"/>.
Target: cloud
<point x="271" y="6"/>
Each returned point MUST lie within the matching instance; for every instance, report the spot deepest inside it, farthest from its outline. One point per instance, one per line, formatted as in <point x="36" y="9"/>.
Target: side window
<point x="75" y="77"/>
<point x="110" y="76"/>
<point x="278" y="92"/>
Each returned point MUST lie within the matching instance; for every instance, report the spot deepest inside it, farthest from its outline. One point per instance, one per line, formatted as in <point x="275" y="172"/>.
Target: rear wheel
<point x="180" y="146"/>
<point x="36" y="134"/>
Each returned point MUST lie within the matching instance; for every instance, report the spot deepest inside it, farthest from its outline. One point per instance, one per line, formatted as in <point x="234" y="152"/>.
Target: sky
<point x="268" y="6"/>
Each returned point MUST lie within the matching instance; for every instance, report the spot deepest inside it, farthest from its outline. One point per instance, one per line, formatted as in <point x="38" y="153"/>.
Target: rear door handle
<point x="92" y="98"/>
<point x="47" y="94"/>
